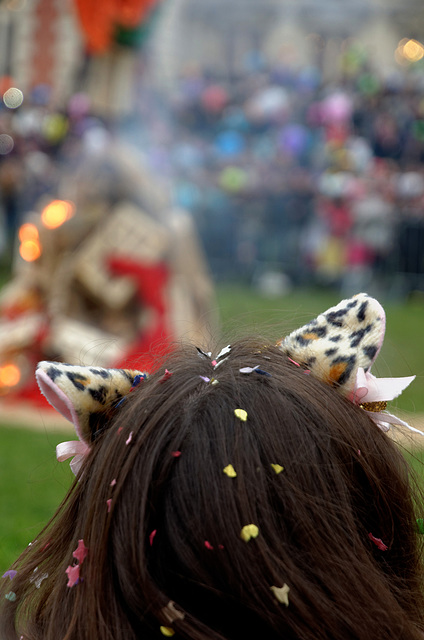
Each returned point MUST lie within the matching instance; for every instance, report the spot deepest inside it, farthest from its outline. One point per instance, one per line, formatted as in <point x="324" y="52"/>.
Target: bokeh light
<point x="13" y="98"/>
<point x="56" y="213"/>
<point x="409" y="50"/>
<point x="10" y="375"/>
<point x="6" y="144"/>
<point x="30" y="250"/>
<point x="28" y="231"/>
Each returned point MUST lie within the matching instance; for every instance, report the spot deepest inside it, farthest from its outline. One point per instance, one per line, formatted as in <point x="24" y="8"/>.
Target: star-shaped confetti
<point x="80" y="552"/>
<point x="73" y="573"/>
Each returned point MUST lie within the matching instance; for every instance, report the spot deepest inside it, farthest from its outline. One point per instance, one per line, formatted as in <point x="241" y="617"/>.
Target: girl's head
<point x="241" y="497"/>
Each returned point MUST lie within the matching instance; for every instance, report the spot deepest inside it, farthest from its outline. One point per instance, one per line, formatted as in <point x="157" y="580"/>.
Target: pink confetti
<point x="208" y="545"/>
<point x="73" y="575"/>
<point x="378" y="542"/>
<point x="112" y="484"/>
<point x="109" y="503"/>
<point x="166" y="376"/>
<point x="80" y="552"/>
<point x="294" y="362"/>
<point x="175" y="454"/>
<point x="151" y="537"/>
<point x="214" y="363"/>
<point x="119" y="430"/>
<point x="220" y="546"/>
<point x="128" y="440"/>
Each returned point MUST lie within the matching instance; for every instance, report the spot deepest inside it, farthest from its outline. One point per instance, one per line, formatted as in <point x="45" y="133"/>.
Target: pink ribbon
<point x="368" y="388"/>
<point x="75" y="448"/>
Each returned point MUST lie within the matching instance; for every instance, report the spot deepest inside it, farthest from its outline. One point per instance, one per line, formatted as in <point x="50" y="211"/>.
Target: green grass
<point x="32" y="482"/>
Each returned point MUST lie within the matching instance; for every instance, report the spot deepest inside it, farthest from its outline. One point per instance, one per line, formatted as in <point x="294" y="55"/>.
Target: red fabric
<point x="98" y="19"/>
<point x="151" y="281"/>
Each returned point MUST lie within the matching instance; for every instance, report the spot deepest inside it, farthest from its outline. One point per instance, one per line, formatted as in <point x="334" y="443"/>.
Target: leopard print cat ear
<point x="339" y="341"/>
<point x="84" y="396"/>
<point x="339" y="347"/>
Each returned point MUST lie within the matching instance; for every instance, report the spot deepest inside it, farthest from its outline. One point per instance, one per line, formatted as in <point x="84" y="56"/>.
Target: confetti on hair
<point x="230" y="471"/>
<point x="11" y="596"/>
<point x="80" y="552"/>
<point x="175" y="454"/>
<point x="359" y="452"/>
<point x="249" y="531"/>
<point x="294" y="362"/>
<point x="420" y="526"/>
<point x="241" y="414"/>
<point x="170" y="613"/>
<point x="261" y="372"/>
<point x="208" y="545"/>
<point x="11" y="573"/>
<point x="218" y="364"/>
<point x="119" y="430"/>
<point x="378" y="542"/>
<point x="38" y="579"/>
<point x="204" y="354"/>
<point x="109" y="504"/>
<point x="248" y="370"/>
<point x="137" y="380"/>
<point x="205" y="378"/>
<point x="277" y="468"/>
<point x="165" y="376"/>
<point x="128" y="440"/>
<point x="214" y="381"/>
<point x="73" y="573"/>
<point x="167" y="631"/>
<point x="152" y="536"/>
<point x="224" y="352"/>
<point x="281" y="594"/>
<point x="113" y="483"/>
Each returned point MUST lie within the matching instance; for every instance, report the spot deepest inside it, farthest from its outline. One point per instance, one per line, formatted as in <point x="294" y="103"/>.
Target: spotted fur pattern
<point x="339" y="341"/>
<point x="85" y="395"/>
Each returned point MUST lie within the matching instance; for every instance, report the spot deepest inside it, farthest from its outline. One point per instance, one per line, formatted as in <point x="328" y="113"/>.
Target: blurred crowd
<point x="290" y="172"/>
<point x="284" y="171"/>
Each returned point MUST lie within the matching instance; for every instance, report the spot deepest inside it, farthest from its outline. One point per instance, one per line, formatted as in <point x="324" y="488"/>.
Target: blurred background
<point x="151" y="150"/>
<point x="190" y="169"/>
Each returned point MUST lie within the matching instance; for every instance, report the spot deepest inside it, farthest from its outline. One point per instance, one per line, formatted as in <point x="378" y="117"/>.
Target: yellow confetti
<point x="241" y="414"/>
<point x="277" y="468"/>
<point x="282" y="594"/>
<point x="167" y="631"/>
<point x="249" y="531"/>
<point x="230" y="471"/>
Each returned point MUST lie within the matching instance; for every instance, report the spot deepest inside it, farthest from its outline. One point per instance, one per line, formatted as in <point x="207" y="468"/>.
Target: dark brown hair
<point x="169" y="552"/>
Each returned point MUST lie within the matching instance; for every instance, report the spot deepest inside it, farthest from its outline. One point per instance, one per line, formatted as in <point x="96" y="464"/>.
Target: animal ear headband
<point x="84" y="396"/>
<point x="338" y="347"/>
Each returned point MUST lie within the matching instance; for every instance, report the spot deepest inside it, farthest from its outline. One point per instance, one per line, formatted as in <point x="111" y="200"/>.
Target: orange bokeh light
<point x="56" y="213"/>
<point x="30" y="250"/>
<point x="28" y="231"/>
<point x="10" y="375"/>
